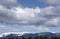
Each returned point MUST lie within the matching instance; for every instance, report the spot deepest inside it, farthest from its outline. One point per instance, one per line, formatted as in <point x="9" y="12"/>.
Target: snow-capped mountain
<point x="27" y="34"/>
<point x="8" y="33"/>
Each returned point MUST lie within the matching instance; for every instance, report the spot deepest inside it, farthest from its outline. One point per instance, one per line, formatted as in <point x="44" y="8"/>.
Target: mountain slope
<point x="21" y="34"/>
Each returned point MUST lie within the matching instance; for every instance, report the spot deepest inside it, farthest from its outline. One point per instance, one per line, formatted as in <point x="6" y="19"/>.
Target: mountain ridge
<point x="28" y="33"/>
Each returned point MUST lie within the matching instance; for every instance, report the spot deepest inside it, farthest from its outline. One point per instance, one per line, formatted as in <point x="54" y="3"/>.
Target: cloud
<point x="5" y="14"/>
<point x="29" y="16"/>
<point x="11" y="28"/>
<point x="7" y="28"/>
<point x="37" y="16"/>
<point x="2" y="27"/>
<point x="8" y="3"/>
<point x="52" y="22"/>
<point x="42" y="29"/>
<point x="51" y="2"/>
<point x="33" y="29"/>
<point x="20" y="15"/>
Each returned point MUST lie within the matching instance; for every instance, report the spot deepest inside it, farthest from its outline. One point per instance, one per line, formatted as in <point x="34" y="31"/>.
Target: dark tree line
<point x="13" y="38"/>
<point x="41" y="37"/>
<point x="38" y="37"/>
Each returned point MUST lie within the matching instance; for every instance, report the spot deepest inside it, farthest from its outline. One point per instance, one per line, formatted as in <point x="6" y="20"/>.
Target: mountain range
<point x="26" y="34"/>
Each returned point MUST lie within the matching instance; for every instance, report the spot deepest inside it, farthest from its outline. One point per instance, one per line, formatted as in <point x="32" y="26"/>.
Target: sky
<point x="29" y="16"/>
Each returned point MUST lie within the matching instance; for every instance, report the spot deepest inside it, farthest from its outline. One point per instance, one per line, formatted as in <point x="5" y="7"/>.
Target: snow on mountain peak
<point x="22" y="33"/>
<point x="8" y="33"/>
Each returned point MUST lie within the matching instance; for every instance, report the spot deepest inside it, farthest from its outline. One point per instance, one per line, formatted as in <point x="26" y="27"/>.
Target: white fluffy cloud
<point x="30" y="16"/>
<point x="51" y="2"/>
